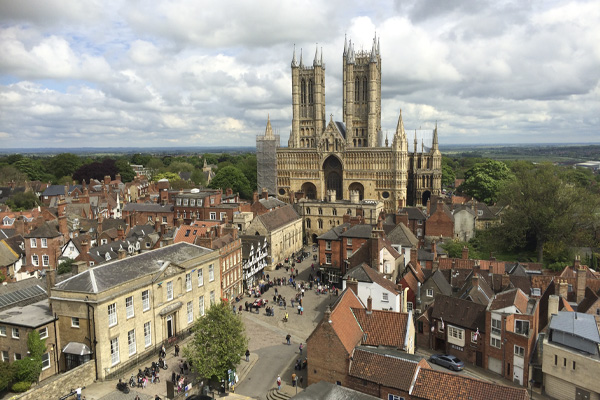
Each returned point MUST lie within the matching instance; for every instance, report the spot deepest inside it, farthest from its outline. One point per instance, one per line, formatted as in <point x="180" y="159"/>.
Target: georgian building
<point x="126" y="309"/>
<point x="255" y="253"/>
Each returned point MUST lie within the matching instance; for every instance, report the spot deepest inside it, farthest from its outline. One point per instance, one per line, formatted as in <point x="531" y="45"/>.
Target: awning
<point x="76" y="348"/>
<point x="170" y="308"/>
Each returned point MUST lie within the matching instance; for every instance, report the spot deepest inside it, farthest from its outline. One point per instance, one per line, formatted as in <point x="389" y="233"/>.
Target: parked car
<point x="448" y="361"/>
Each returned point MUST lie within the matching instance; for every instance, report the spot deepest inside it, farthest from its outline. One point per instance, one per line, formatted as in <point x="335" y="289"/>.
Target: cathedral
<point x="347" y="158"/>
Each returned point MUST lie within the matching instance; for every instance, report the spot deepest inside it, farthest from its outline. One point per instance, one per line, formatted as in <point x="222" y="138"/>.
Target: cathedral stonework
<point x="350" y="156"/>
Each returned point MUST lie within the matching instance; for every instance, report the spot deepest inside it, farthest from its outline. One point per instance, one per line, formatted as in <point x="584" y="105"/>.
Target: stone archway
<point x="426" y="197"/>
<point x="333" y="172"/>
<point x="359" y="188"/>
<point x="309" y="190"/>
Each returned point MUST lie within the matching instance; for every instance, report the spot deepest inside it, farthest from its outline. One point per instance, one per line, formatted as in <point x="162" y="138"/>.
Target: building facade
<point x="351" y="155"/>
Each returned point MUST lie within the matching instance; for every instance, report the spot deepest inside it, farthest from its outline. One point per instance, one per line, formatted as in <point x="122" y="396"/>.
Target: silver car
<point x="448" y="361"/>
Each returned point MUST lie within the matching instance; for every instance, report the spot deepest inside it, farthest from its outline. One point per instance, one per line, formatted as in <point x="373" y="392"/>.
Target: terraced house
<point x="125" y="310"/>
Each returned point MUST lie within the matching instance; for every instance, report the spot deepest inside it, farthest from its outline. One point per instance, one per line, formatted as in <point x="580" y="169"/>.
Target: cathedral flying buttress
<point x="349" y="158"/>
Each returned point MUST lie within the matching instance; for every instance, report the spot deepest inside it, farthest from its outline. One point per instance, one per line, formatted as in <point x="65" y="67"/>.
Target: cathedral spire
<point x="345" y="44"/>
<point x="374" y="52"/>
<point x="294" y="62"/>
<point x="316" y="60"/>
<point x="377" y="46"/>
<point x="321" y="62"/>
<point x="269" y="129"/>
<point x="415" y="146"/>
<point x="435" y="138"/>
<point x="400" y="127"/>
<point x="301" y="63"/>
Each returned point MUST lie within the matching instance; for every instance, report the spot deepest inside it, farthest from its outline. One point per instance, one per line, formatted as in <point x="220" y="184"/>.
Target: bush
<point x="20" y="387"/>
<point x="27" y="369"/>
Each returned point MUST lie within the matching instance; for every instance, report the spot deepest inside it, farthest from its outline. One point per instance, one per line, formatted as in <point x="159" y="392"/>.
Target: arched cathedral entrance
<point x="310" y="190"/>
<point x="332" y="170"/>
<point x="359" y="188"/>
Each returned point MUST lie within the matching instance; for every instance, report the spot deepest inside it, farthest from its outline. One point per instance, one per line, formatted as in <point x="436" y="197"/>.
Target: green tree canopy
<point x="218" y="343"/>
<point x="180" y="166"/>
<point x="64" y="164"/>
<point x="23" y="201"/>
<point x="232" y="177"/>
<point x="170" y="176"/>
<point x="9" y="173"/>
<point x="32" y="167"/>
<point x="448" y="175"/>
<point x="485" y="180"/>
<point x="7" y="372"/>
<point x="127" y="173"/>
<point x="543" y="209"/>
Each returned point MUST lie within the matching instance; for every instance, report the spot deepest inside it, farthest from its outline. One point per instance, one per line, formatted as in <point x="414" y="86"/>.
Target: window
<point x="74" y="322"/>
<point x="519" y="351"/>
<point x="496" y="326"/>
<point x="190" y="312"/>
<point x="555" y="359"/>
<point x="44" y="242"/>
<point x="147" y="334"/>
<point x="45" y="260"/>
<point x="112" y="314"/>
<point x="17" y="356"/>
<point x="2" y="330"/>
<point x="33" y="242"/>
<point x="455" y="332"/>
<point x="146" y="300"/>
<point x="564" y="362"/>
<point x="327" y="258"/>
<point x="573" y="365"/>
<point x="496" y="342"/>
<point x="394" y="397"/>
<point x="188" y="282"/>
<point x="178" y="202"/>
<point x="114" y="351"/>
<point x="131" y="341"/>
<point x="222" y="216"/>
<point x="419" y="232"/>
<point x="4" y="356"/>
<point x="409" y="306"/>
<point x="420" y="222"/>
<point x="384" y="297"/>
<point x="429" y="292"/>
<point x="200" y="277"/>
<point x="349" y="241"/>
<point x="479" y="213"/>
<point x="440" y="326"/>
<point x="15" y="333"/>
<point x="201" y="305"/>
<point x="35" y="260"/>
<point x="320" y="211"/>
<point x="192" y="202"/>
<point x="308" y="223"/>
<point x="129" y="306"/>
<point x="150" y="218"/>
<point x="164" y="220"/>
<point x="328" y="245"/>
<point x="213" y="216"/>
<point x="185" y="202"/>
<point x="103" y="241"/>
<point x="536" y="291"/>
<point x="212" y="200"/>
<point x="320" y="223"/>
<point x="211" y="273"/>
<point x="307" y="210"/>
<point x="522" y="327"/>
<point x="170" y="290"/>
<point x="334" y="211"/>
<point x="212" y="297"/>
<point x="43" y="333"/>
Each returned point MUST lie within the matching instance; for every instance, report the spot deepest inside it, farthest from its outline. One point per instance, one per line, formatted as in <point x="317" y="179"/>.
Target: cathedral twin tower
<point x="348" y="157"/>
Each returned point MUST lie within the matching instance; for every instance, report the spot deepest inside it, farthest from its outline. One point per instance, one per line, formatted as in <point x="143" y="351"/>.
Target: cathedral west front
<point x="347" y="157"/>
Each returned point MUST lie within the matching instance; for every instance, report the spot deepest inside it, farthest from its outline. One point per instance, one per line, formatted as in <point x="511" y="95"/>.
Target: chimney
<point x="563" y="288"/>
<point x="428" y="206"/>
<point x="375" y="251"/>
<point x="50" y="282"/>
<point x="79" y="267"/>
<point x="402" y="216"/>
<point x="106" y="179"/>
<point x="120" y="233"/>
<point x="118" y="177"/>
<point x="352" y="284"/>
<point x="434" y="250"/>
<point x="85" y="247"/>
<point x="369" y="305"/>
<point x="156" y="224"/>
<point x="475" y="280"/>
<point x="505" y="280"/>
<point x="265" y="194"/>
<point x="122" y="253"/>
<point x="66" y="190"/>
<point x="581" y="281"/>
<point x="20" y="225"/>
<point x="327" y="314"/>
<point x="465" y="253"/>
<point x="553" y="302"/>
<point x="413" y="255"/>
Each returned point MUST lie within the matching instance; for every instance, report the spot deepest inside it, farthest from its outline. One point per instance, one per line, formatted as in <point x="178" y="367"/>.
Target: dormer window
<point x="479" y="213"/>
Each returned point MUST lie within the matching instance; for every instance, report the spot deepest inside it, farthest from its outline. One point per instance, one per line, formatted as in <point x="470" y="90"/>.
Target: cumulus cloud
<point x="181" y="73"/>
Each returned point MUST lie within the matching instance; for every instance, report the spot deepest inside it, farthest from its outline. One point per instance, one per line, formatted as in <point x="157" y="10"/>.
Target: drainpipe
<point x="56" y="346"/>
<point x="92" y="343"/>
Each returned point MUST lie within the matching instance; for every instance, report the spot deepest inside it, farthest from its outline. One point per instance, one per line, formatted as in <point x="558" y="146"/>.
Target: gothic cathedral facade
<point x="350" y="157"/>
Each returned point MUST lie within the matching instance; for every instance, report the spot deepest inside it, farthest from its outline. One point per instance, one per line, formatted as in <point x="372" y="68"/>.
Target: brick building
<point x="143" y="213"/>
<point x="43" y="247"/>
<point x="207" y="204"/>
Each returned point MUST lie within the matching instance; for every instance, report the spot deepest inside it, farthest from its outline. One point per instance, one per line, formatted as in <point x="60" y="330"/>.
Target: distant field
<point x="534" y="153"/>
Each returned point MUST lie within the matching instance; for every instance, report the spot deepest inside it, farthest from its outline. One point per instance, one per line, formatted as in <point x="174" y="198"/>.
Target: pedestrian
<point x="180" y="367"/>
<point x="78" y="391"/>
<point x="173" y="377"/>
<point x="287" y="338"/>
<point x="157" y="377"/>
<point x="300" y="347"/>
<point x="163" y="350"/>
<point x="278" y="382"/>
<point x="301" y="310"/>
<point x="246" y="304"/>
<point x="299" y="307"/>
<point x="240" y="309"/>
<point x="292" y="300"/>
<point x="294" y="379"/>
<point x="247" y="355"/>
<point x="144" y="382"/>
<point x="137" y="397"/>
<point x="176" y="350"/>
<point x="301" y="379"/>
<point x="234" y="308"/>
<point x="284" y="304"/>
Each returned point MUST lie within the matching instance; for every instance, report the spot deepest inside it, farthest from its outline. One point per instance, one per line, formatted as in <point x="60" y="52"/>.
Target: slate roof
<point x="59" y="190"/>
<point x="441" y="282"/>
<point x="589" y="299"/>
<point x="109" y="275"/>
<point x="148" y="207"/>
<point x="279" y="217"/>
<point x="414" y="213"/>
<point x="44" y="231"/>
<point x="334" y="233"/>
<point x="463" y="313"/>
<point x="364" y="273"/>
<point x="392" y="369"/>
<point x="324" y="390"/>
<point x="576" y="324"/>
<point x="31" y="315"/>
<point x="434" y="385"/>
<point x="382" y="328"/>
<point x="358" y="231"/>
<point x="271" y="203"/>
<point x="403" y="236"/>
<point x="481" y="294"/>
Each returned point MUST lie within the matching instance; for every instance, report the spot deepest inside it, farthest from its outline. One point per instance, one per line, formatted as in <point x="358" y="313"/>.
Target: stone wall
<point x="60" y="385"/>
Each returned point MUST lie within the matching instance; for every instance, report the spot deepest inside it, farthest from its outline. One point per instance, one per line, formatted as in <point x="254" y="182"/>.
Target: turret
<point x="294" y="62"/>
<point x="434" y="147"/>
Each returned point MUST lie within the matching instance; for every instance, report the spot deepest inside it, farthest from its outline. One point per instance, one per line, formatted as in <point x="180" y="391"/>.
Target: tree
<point x="198" y="177"/>
<point x="127" y="173"/>
<point x="542" y="208"/>
<point x="96" y="170"/>
<point x="218" y="343"/>
<point x="35" y="345"/>
<point x="448" y="176"/>
<point x="33" y="168"/>
<point x="65" y="266"/>
<point x="232" y="177"/>
<point x="180" y="166"/>
<point x="7" y="372"/>
<point x="64" y="164"/>
<point x="23" y="201"/>
<point x="485" y="180"/>
<point x="9" y="173"/>
<point x="170" y="176"/>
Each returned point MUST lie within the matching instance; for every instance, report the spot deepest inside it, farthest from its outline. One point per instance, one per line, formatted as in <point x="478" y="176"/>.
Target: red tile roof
<point x="382" y="328"/>
<point x="434" y="385"/>
<point x="343" y="321"/>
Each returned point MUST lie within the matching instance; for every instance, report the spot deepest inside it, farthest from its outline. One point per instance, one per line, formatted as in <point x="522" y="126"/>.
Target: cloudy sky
<point x="202" y="73"/>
